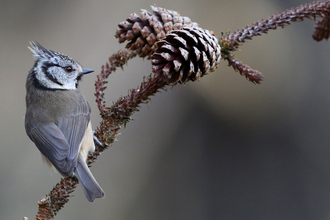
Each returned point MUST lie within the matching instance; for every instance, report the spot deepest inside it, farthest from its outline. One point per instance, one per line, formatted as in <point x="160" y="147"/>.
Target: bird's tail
<point x="91" y="188"/>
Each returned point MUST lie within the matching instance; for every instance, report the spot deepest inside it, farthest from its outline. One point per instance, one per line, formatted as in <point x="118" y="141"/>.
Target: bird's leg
<point x="96" y="140"/>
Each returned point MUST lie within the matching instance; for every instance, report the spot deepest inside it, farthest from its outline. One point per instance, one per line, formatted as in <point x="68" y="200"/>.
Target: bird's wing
<point x="59" y="142"/>
<point x="52" y="144"/>
<point x="74" y="127"/>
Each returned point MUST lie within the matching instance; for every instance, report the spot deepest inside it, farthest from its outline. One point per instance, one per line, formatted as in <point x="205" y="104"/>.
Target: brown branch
<point x="249" y="73"/>
<point x="118" y="59"/>
<point x="232" y="41"/>
<point x="121" y="110"/>
<point x="56" y="199"/>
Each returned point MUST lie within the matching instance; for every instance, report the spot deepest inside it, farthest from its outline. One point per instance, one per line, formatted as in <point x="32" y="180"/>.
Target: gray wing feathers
<point x="59" y="142"/>
<point x="90" y="187"/>
<point x="51" y="142"/>
<point x="73" y="129"/>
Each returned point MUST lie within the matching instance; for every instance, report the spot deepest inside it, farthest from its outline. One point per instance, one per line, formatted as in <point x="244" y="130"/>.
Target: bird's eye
<point x="68" y="69"/>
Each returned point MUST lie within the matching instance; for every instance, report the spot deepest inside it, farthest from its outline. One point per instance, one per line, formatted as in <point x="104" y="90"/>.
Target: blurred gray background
<point x="221" y="148"/>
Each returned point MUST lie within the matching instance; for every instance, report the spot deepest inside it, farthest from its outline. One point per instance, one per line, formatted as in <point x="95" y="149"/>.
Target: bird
<point x="57" y="117"/>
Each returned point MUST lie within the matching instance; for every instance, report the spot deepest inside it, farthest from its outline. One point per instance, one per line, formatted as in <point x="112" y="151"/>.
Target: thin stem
<point x="232" y="41"/>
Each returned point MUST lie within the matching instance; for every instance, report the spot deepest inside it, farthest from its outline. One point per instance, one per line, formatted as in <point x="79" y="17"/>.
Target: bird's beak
<point x="86" y="71"/>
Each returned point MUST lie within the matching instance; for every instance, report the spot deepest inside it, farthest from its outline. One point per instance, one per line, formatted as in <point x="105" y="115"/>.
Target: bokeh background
<point x="221" y="148"/>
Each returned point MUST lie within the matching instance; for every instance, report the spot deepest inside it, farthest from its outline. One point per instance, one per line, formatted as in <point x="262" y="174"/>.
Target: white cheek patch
<point x="45" y="81"/>
<point x="54" y="79"/>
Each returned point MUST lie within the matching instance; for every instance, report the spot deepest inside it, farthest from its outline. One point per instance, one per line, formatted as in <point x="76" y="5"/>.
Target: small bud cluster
<point x="322" y="29"/>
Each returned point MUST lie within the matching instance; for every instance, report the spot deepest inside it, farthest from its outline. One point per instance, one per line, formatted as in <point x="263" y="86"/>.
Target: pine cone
<point x="186" y="54"/>
<point x="143" y="32"/>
